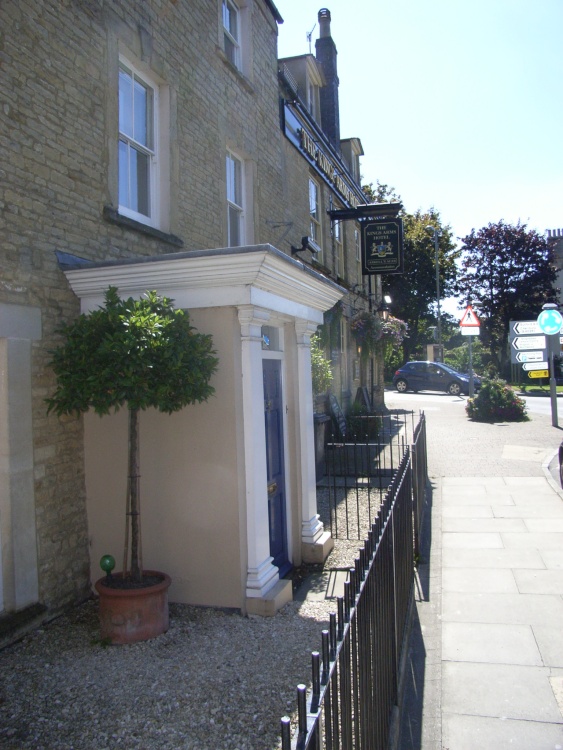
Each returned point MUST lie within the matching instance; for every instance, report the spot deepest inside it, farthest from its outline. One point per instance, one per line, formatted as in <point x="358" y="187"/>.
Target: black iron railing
<point x="355" y="676"/>
<point x="359" y="466"/>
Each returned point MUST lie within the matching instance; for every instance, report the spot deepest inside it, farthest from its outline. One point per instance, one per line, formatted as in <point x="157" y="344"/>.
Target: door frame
<point x="279" y="355"/>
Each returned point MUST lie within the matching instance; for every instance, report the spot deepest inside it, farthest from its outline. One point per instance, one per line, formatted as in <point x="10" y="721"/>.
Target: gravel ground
<point x="214" y="681"/>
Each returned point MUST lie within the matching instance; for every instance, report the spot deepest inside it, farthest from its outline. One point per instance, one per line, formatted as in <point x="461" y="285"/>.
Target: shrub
<point x="360" y="424"/>
<point x="496" y="402"/>
<point x="322" y="373"/>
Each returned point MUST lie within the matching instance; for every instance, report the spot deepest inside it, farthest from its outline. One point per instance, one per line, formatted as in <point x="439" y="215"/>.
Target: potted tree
<point x="136" y="354"/>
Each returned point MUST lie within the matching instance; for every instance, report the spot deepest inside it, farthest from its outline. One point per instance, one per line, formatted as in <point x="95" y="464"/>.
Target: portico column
<point x="316" y="543"/>
<point x="261" y="574"/>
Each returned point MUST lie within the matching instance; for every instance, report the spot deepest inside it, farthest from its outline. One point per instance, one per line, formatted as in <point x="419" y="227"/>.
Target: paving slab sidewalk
<point x="486" y="653"/>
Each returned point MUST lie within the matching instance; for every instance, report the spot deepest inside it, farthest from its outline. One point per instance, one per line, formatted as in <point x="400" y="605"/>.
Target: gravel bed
<point x="214" y="681"/>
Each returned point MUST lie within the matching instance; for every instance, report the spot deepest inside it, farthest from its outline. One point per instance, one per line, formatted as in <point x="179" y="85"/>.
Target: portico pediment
<point x="253" y="275"/>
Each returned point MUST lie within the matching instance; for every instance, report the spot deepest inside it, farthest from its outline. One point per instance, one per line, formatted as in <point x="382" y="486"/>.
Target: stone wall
<point x="58" y="187"/>
<point x="59" y="192"/>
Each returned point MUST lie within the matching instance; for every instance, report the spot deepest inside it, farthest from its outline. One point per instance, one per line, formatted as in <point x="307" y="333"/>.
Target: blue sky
<point x="459" y="105"/>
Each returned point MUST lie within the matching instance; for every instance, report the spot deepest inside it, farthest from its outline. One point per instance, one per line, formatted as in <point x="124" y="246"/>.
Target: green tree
<point x="381" y="193"/>
<point x="135" y="353"/>
<point x="321" y="371"/>
<point x="508" y="271"/>
<point x="458" y="356"/>
<point x="414" y="291"/>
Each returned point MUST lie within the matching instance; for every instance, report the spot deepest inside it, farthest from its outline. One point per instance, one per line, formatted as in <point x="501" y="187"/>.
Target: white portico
<point x="229" y="495"/>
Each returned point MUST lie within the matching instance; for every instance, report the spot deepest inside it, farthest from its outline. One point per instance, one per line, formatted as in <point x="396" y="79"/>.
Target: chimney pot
<point x="324" y="22"/>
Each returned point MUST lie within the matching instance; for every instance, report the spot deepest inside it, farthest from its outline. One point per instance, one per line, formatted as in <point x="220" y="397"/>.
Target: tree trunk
<point x="134" y="504"/>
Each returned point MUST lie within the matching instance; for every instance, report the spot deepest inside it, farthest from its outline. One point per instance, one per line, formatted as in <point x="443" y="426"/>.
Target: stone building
<point x="143" y="149"/>
<point x="330" y="166"/>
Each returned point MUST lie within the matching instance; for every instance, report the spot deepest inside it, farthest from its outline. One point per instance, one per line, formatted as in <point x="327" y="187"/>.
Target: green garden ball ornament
<point x="107" y="564"/>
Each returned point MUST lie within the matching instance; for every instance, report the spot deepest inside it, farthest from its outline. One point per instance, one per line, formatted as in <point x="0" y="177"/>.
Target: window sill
<point x="114" y="217"/>
<point x="243" y="80"/>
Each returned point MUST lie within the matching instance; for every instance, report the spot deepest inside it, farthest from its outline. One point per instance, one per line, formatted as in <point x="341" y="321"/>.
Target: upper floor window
<point x="138" y="103"/>
<point x="358" y="245"/>
<point x="231" y="32"/>
<point x="315" y="211"/>
<point x="312" y="100"/>
<point x="235" y="201"/>
<point x="339" y="246"/>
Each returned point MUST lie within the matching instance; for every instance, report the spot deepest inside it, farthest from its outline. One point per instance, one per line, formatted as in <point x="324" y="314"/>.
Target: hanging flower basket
<point x="371" y="333"/>
<point x="367" y="329"/>
<point x="395" y="331"/>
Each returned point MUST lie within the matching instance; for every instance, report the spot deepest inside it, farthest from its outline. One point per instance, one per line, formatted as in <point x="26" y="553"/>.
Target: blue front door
<point x="273" y="405"/>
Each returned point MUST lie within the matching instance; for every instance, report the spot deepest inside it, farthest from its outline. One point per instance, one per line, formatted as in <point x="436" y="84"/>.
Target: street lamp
<point x="383" y="308"/>
<point x="436" y="234"/>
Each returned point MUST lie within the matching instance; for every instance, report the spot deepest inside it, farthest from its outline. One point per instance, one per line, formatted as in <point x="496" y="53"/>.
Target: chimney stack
<point x="326" y="55"/>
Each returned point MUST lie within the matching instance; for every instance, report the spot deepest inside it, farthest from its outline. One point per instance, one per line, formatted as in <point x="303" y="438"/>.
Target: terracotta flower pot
<point x="131" y="615"/>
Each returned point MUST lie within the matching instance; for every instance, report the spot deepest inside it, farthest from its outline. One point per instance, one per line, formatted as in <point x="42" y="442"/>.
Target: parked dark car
<point x="432" y="376"/>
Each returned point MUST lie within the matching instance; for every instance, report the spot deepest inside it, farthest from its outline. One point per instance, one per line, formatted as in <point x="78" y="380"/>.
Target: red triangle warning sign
<point x="469" y="318"/>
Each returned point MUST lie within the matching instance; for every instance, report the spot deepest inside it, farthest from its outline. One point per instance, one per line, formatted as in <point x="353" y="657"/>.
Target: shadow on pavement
<point x="410" y="737"/>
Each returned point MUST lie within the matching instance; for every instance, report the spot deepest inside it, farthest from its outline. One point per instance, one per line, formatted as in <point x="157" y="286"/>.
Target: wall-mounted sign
<point x="382" y="246"/>
<point x="320" y="159"/>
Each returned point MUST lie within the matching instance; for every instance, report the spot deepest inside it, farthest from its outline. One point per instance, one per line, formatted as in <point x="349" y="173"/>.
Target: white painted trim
<point x="279" y="356"/>
<point x="153" y="152"/>
<point x="255" y="274"/>
<point x="311" y="526"/>
<point x="261" y="573"/>
<point x="267" y="287"/>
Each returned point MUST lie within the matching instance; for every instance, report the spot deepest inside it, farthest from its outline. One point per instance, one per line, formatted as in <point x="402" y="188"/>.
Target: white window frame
<point x="150" y="149"/>
<point x="358" y="250"/>
<point x="315" y="227"/>
<point x="312" y="96"/>
<point x="235" y="204"/>
<point x="339" y="247"/>
<point x="358" y="244"/>
<point x="232" y="36"/>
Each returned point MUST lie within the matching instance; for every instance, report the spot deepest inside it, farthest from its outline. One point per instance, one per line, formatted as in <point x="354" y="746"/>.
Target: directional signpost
<point x="531" y="357"/>
<point x="528" y="342"/>
<point x="525" y="327"/>
<point x="535" y="366"/>
<point x="528" y="345"/>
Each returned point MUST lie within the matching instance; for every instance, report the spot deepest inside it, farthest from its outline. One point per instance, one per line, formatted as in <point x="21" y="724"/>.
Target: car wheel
<point x="454" y="389"/>
<point x="401" y="385"/>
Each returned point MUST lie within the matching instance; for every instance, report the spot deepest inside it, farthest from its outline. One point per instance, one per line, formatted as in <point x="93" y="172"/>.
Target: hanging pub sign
<point x="382" y="246"/>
